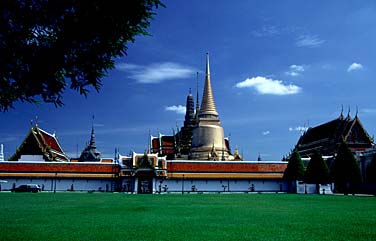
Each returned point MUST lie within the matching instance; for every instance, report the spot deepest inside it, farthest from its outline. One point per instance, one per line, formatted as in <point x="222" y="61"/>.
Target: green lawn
<point x="106" y="216"/>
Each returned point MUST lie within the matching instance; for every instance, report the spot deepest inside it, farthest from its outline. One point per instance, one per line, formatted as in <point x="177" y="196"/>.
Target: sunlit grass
<point x="106" y="216"/>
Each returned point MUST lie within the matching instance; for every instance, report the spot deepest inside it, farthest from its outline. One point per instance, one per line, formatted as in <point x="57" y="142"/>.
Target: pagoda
<point x="208" y="142"/>
<point x="90" y="153"/>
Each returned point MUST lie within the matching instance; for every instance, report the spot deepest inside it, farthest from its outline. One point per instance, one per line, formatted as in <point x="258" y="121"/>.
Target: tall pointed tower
<point x="208" y="136"/>
<point x="90" y="153"/>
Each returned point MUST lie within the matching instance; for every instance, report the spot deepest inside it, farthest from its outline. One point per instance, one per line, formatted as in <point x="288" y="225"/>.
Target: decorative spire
<point x="90" y="153"/>
<point x="341" y="116"/>
<point x="197" y="101"/>
<point x="92" y="137"/>
<point x="348" y="115"/>
<point x="208" y="106"/>
<point x="190" y="110"/>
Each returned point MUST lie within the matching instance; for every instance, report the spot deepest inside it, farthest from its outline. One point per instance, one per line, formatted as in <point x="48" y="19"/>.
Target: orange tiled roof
<point x="52" y="167"/>
<point x="226" y="167"/>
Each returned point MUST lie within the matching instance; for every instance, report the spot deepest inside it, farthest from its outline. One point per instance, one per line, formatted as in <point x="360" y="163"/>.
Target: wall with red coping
<point x="225" y="167"/>
<point x="58" y="167"/>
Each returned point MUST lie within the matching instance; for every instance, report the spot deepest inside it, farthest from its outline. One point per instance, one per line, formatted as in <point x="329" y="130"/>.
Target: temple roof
<point x="327" y="136"/>
<point x="40" y="142"/>
<point x="207" y="105"/>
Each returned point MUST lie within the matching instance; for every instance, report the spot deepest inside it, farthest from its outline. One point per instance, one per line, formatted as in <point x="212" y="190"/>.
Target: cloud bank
<point x="157" y="72"/>
<point x="354" y="67"/>
<point x="179" y="109"/>
<point x="264" y="86"/>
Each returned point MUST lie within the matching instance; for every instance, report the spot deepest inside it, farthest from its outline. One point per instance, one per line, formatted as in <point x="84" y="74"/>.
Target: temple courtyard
<point x="117" y="216"/>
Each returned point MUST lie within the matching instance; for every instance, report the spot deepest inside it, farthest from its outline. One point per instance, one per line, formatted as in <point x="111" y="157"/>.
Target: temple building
<point x="197" y="158"/>
<point x="40" y="145"/>
<point x="202" y="136"/>
<point x="327" y="137"/>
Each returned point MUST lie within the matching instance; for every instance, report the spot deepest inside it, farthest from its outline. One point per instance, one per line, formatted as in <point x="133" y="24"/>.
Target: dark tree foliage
<point x="48" y="46"/>
<point x="371" y="171"/>
<point x="345" y="170"/>
<point x="317" y="171"/>
<point x="295" y="168"/>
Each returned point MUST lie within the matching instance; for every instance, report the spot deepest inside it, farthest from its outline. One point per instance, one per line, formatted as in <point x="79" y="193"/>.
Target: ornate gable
<point x="40" y="142"/>
<point x="357" y="137"/>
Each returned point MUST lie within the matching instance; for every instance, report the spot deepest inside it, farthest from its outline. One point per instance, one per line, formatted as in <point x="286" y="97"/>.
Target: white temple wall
<point x="217" y="185"/>
<point x="159" y="185"/>
<point x="48" y="184"/>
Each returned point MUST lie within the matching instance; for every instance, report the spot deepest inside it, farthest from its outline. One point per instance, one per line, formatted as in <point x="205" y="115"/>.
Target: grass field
<point x="107" y="216"/>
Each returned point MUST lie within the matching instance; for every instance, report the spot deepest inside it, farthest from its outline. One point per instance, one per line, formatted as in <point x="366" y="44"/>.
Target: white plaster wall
<point x="225" y="185"/>
<point x="163" y="185"/>
<point x="48" y="184"/>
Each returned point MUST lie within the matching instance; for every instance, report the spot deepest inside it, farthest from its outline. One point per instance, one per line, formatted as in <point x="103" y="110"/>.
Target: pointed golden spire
<point x="207" y="105"/>
<point x="197" y="101"/>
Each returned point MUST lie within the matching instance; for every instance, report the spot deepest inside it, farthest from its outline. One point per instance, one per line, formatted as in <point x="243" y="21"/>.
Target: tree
<point x="371" y="171"/>
<point x="294" y="171"/>
<point x="317" y="171"/>
<point x="47" y="46"/>
<point x="295" y="168"/>
<point x="345" y="170"/>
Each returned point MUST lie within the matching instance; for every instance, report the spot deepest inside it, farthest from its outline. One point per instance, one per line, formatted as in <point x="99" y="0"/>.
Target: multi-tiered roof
<point x="327" y="137"/>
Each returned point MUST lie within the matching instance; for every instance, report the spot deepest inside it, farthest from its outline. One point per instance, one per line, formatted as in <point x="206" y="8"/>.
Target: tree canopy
<point x="345" y="170"/>
<point x="317" y="171"/>
<point x="48" y="46"/>
<point x="295" y="168"/>
<point x="371" y="170"/>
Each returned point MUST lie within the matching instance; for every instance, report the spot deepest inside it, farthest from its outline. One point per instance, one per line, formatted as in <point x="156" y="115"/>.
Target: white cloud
<point x="354" y="66"/>
<point x="311" y="41"/>
<point x="156" y="73"/>
<point x="269" y="86"/>
<point x="179" y="109"/>
<point x="265" y="133"/>
<point x="298" y="128"/>
<point x="295" y="70"/>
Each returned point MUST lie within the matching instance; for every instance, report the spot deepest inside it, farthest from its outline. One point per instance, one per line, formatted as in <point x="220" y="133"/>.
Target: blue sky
<point x="277" y="67"/>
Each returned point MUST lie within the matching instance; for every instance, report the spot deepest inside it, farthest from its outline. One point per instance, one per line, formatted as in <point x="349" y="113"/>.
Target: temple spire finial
<point x="341" y="115"/>
<point x="207" y="104"/>
<point x="92" y="136"/>
<point x="348" y="114"/>
<point x="207" y="64"/>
